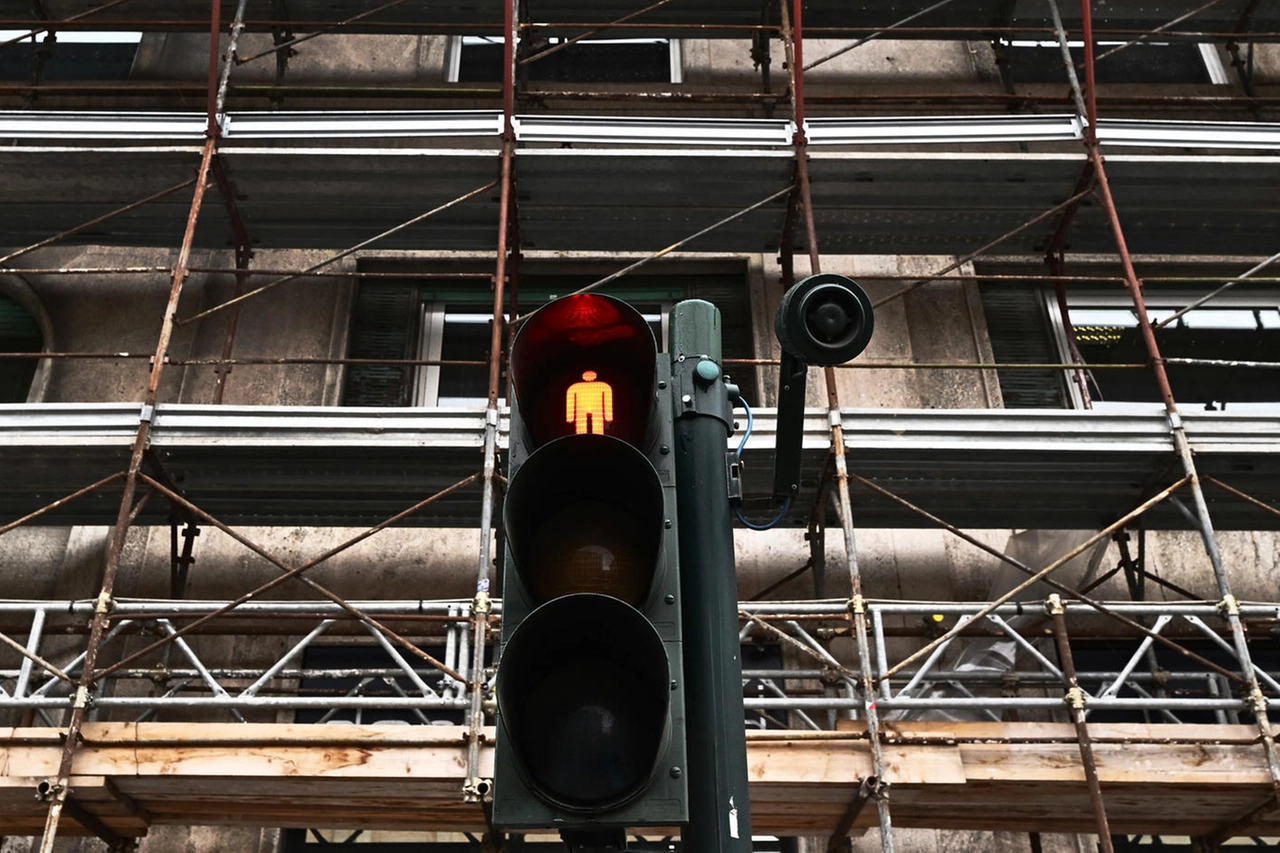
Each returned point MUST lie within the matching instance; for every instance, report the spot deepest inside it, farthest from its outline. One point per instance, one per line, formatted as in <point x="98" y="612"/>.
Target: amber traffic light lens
<point x="590" y="547"/>
<point x="585" y="514"/>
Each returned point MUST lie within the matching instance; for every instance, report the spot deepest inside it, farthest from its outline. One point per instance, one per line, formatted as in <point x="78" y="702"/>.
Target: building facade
<point x="248" y="302"/>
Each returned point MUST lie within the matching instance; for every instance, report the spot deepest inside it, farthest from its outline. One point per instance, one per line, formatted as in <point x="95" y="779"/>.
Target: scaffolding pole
<point x="791" y="16"/>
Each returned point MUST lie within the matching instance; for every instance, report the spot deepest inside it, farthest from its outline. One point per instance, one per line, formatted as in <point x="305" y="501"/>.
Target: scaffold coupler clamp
<point x="482" y="604"/>
<point x="477" y="790"/>
<point x="1257" y="702"/>
<point x="857" y="605"/>
<point x="1229" y="606"/>
<point x="105" y="603"/>
<point x="49" y="789"/>
<point x="1075" y="699"/>
<point x="1053" y="605"/>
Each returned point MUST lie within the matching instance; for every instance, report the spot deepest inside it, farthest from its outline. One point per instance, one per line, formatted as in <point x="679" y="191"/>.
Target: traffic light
<point x="590" y="686"/>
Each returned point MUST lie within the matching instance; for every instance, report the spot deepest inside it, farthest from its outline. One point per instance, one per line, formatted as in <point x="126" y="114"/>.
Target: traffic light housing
<point x="590" y="674"/>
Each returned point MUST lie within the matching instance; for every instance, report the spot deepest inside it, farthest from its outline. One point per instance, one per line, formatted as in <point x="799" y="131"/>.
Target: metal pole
<point x="793" y="41"/>
<point x="60" y="793"/>
<point x="1075" y="701"/>
<point x="1228" y="604"/>
<point x="719" y="804"/>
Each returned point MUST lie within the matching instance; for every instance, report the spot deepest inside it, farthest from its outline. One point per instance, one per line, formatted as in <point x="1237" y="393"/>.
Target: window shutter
<point x="384" y="325"/>
<point x="1020" y="334"/>
<point x="728" y="292"/>
<point x="18" y="333"/>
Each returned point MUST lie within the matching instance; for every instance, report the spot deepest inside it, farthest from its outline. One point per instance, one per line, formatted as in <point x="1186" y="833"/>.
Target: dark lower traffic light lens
<point x="583" y="695"/>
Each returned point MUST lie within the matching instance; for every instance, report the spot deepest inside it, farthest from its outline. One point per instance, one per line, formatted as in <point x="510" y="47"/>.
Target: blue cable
<point x="737" y="510"/>
<point x="751" y="423"/>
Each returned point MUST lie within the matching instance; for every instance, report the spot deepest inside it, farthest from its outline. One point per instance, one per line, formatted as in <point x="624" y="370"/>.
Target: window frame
<point x="1159" y="301"/>
<point x="1211" y="61"/>
<point x="456" y="43"/>
<point x="659" y="287"/>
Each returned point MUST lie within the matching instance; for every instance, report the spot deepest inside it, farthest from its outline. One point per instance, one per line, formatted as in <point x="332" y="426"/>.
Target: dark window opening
<point x="18" y="333"/>
<point x="450" y="320"/>
<point x="1112" y="336"/>
<point x="766" y="659"/>
<point x="1154" y="64"/>
<point x="621" y="61"/>
<point x="331" y="671"/>
<point x="69" y="56"/>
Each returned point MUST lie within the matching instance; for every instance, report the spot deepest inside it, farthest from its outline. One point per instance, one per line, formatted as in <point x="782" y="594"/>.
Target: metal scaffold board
<point x="969" y="19"/>
<point x="636" y="199"/>
<point x="355" y="467"/>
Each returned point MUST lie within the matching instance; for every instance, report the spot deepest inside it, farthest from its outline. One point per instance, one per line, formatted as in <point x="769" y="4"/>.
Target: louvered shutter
<point x="1020" y="334"/>
<point x="18" y="333"/>
<point x="384" y="325"/>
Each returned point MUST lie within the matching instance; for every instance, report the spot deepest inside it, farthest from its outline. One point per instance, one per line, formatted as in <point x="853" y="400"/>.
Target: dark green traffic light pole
<point x="719" y="805"/>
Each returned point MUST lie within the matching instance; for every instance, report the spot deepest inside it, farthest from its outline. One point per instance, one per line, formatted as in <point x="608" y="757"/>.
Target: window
<point x="68" y="56"/>
<point x="1026" y="326"/>
<point x="449" y="320"/>
<point x="1233" y="327"/>
<point x="19" y="332"/>
<point x="328" y="671"/>
<point x="1145" y="62"/>
<point x="478" y="59"/>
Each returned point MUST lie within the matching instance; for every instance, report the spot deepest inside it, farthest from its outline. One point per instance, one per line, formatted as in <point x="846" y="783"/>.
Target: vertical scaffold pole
<point x="793" y="42"/>
<point x="1228" y="605"/>
<point x="476" y="789"/>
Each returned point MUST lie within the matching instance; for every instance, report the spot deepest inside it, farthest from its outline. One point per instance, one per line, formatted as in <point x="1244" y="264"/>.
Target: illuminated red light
<point x="588" y="405"/>
<point x="584" y="365"/>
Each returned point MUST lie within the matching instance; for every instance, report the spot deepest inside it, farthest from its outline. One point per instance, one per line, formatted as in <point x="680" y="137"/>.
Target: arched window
<point x="19" y="332"/>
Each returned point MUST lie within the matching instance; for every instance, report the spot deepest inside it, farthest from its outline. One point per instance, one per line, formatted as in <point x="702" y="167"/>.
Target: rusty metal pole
<point x="1227" y="604"/>
<point x="1075" y="702"/>
<point x="475" y="789"/>
<point x="793" y="43"/>
<point x="100" y="624"/>
<point x="60" y="791"/>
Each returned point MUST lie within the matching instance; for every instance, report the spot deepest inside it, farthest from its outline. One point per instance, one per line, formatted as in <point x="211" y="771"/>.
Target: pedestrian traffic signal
<point x="590" y="686"/>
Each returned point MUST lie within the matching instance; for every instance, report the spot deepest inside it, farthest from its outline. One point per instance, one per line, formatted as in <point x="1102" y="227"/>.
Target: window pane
<point x="18" y="333"/>
<point x="1180" y="62"/>
<point x="638" y="61"/>
<point x="73" y="56"/>
<point x="1210" y="334"/>
<point x="467" y="334"/>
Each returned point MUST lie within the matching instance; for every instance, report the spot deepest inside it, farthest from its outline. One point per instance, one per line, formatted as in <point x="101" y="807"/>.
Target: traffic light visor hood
<point x="584" y="364"/>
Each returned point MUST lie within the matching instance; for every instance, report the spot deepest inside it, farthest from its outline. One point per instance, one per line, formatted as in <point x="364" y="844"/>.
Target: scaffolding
<point x="798" y="183"/>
